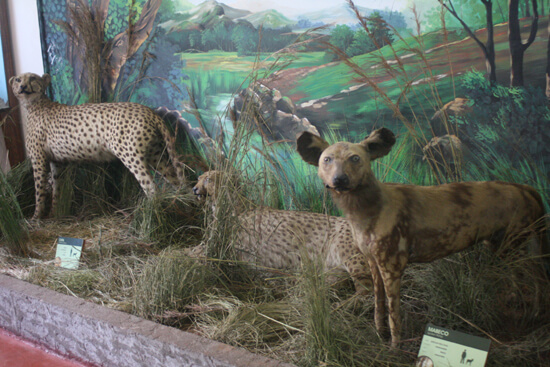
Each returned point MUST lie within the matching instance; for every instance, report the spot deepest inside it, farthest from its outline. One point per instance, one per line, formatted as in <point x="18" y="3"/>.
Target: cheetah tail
<point x="170" y="141"/>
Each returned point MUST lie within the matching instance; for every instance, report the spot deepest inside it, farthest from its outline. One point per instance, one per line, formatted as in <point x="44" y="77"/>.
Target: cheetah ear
<point x="310" y="147"/>
<point x="379" y="142"/>
<point x="46" y="78"/>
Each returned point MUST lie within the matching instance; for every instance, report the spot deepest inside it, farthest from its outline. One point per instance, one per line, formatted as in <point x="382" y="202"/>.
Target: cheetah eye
<point x="355" y="158"/>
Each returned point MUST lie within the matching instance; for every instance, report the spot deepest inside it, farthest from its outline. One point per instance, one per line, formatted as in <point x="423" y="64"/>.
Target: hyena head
<point x="345" y="166"/>
<point x="29" y="87"/>
<point x="206" y="185"/>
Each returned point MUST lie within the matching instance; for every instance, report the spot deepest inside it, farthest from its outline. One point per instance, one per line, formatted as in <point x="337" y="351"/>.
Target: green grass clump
<point x="20" y="178"/>
<point x="167" y="283"/>
<point x="12" y="226"/>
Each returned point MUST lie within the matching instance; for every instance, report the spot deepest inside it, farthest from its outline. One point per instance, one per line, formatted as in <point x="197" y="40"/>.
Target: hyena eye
<point x="327" y="159"/>
<point x="18" y="80"/>
<point x="355" y="158"/>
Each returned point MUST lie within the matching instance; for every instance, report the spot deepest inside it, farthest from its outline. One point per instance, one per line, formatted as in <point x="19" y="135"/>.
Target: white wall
<point x="26" y="47"/>
<point x="25" y="36"/>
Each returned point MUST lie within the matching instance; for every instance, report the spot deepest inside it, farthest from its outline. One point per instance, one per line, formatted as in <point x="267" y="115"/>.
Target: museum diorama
<point x="325" y="183"/>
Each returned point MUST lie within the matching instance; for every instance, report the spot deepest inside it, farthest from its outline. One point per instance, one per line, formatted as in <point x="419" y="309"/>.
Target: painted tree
<point x="548" y="63"/>
<point x="125" y="44"/>
<point x="245" y="38"/>
<point x="517" y="47"/>
<point x="379" y="31"/>
<point x="341" y="36"/>
<point x="361" y="44"/>
<point x="97" y="62"/>
<point x="487" y="48"/>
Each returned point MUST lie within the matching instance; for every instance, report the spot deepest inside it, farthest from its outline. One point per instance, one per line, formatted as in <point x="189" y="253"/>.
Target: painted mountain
<point x="211" y="13"/>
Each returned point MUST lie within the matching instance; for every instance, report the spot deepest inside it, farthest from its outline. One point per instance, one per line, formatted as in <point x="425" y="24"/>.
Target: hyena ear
<point x="310" y="147"/>
<point x="11" y="80"/>
<point x="379" y="142"/>
<point x="46" y="78"/>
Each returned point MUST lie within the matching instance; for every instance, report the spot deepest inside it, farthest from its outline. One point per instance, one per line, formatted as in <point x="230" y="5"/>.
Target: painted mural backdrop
<point x="462" y="82"/>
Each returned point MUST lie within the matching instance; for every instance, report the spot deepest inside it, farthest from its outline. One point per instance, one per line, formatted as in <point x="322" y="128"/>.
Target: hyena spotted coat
<point x="276" y="239"/>
<point x="398" y="224"/>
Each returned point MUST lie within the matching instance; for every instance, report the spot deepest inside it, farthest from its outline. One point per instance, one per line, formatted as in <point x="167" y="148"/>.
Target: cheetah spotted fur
<point x="95" y="132"/>
<point x="272" y="238"/>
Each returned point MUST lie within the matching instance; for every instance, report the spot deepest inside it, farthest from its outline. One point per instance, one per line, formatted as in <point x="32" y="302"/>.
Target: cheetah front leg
<point x="40" y="170"/>
<point x="357" y="267"/>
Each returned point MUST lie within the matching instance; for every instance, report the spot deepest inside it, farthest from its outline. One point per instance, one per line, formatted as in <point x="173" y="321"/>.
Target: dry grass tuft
<point x="167" y="283"/>
<point x="169" y="217"/>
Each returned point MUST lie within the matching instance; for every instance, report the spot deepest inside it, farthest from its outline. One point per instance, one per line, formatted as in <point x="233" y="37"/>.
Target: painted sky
<point x="294" y="7"/>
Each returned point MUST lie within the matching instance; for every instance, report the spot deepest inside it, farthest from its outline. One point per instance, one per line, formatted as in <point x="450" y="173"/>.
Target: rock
<point x="176" y="120"/>
<point x="274" y="113"/>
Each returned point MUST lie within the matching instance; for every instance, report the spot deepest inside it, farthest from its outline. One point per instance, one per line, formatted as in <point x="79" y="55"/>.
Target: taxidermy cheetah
<point x="398" y="224"/>
<point x="96" y="132"/>
<point x="272" y="238"/>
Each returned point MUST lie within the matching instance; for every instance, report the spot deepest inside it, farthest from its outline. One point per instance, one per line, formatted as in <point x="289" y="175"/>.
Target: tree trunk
<point x="490" y="45"/>
<point x="489" y="48"/>
<point x="125" y="44"/>
<point x="548" y="63"/>
<point x="517" y="47"/>
<point x="85" y="29"/>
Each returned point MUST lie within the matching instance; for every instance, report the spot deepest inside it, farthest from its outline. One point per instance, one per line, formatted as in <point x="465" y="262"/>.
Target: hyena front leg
<point x="379" y="297"/>
<point x="391" y="277"/>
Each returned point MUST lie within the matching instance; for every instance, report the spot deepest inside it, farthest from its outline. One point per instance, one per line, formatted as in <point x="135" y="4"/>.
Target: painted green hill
<point x="269" y="19"/>
<point x="421" y="73"/>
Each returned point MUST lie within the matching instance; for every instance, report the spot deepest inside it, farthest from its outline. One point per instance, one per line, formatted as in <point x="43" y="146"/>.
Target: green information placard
<point x="447" y="348"/>
<point x="68" y="252"/>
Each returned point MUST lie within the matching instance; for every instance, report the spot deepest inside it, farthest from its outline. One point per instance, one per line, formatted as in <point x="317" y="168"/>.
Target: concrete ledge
<point x="106" y="337"/>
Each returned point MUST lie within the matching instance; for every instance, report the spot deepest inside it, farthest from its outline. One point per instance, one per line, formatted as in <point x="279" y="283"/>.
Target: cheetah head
<point x="206" y="185"/>
<point x="29" y="87"/>
<point x="345" y="166"/>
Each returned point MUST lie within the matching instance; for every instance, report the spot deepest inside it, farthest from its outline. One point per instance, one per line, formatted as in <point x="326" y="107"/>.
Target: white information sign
<point x="447" y="348"/>
<point x="68" y="252"/>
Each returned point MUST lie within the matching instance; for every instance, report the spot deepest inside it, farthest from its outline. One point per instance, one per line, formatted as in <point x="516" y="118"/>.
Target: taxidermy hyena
<point x="273" y="238"/>
<point x="96" y="132"/>
<point x="398" y="224"/>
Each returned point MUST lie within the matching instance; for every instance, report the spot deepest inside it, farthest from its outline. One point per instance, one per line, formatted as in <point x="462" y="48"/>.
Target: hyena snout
<point x="340" y="181"/>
